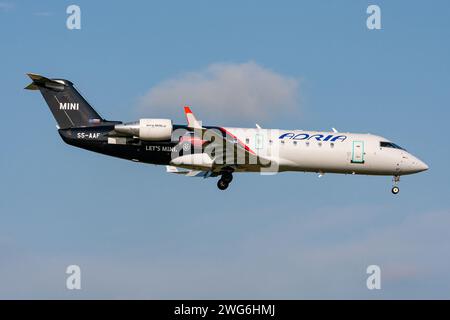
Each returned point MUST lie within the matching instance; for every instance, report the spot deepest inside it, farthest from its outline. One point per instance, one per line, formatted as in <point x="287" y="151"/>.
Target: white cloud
<point x="225" y="90"/>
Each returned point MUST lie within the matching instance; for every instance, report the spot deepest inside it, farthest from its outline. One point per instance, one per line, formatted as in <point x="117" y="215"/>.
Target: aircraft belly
<point x="316" y="160"/>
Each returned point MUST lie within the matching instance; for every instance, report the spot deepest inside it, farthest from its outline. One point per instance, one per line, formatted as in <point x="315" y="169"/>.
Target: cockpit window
<point x="385" y="144"/>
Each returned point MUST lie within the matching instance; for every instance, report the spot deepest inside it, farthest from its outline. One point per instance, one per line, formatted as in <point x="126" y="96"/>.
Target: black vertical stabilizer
<point x="69" y="108"/>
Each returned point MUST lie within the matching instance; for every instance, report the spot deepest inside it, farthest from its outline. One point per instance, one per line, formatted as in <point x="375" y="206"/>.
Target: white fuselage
<point x="322" y="152"/>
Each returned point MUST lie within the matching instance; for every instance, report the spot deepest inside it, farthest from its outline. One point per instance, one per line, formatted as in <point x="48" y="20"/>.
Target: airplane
<point x="195" y="150"/>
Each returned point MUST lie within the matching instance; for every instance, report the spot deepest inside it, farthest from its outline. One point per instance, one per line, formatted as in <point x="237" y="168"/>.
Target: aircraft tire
<point x="222" y="184"/>
<point x="227" y="177"/>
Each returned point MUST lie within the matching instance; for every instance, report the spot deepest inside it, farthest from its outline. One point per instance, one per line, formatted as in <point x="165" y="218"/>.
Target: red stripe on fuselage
<point x="240" y="142"/>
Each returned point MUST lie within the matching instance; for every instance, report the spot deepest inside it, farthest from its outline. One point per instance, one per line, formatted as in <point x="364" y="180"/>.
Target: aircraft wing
<point x="190" y="173"/>
<point x="222" y="150"/>
<point x="230" y="151"/>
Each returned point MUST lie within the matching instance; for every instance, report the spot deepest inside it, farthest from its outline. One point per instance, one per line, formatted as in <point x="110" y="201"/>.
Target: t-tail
<point x="67" y="105"/>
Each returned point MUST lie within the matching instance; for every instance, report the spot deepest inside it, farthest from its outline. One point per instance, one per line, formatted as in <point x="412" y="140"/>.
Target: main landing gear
<point x="225" y="180"/>
<point x="395" y="188"/>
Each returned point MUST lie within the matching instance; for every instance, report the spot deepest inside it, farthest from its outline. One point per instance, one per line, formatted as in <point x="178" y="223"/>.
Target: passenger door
<point x="358" y="152"/>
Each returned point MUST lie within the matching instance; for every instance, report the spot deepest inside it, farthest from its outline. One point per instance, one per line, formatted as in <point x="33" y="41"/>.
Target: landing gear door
<point x="358" y="152"/>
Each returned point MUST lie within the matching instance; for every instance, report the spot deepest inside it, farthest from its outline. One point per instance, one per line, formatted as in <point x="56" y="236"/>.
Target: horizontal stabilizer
<point x="32" y="86"/>
<point x="40" y="81"/>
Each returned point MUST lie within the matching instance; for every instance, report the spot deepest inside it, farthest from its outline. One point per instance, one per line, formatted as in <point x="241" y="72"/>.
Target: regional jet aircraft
<point x="196" y="150"/>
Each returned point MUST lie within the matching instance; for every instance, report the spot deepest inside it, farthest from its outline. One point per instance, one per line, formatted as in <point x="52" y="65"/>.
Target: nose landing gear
<point x="225" y="180"/>
<point x="395" y="188"/>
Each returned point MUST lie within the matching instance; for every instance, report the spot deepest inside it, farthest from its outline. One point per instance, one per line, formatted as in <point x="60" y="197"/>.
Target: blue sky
<point x="138" y="232"/>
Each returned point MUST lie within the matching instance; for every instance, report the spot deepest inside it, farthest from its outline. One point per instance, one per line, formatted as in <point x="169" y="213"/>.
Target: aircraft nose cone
<point x="412" y="164"/>
<point x="418" y="165"/>
<point x="422" y="166"/>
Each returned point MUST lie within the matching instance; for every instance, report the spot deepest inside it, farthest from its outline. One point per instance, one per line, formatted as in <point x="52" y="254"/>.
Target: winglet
<point x="187" y="109"/>
<point x="191" y="120"/>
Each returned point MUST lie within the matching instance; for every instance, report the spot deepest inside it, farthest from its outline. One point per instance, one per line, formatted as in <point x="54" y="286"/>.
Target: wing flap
<point x="229" y="151"/>
<point x="189" y="173"/>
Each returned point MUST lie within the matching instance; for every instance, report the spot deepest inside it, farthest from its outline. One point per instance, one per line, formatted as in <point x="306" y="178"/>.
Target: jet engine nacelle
<point x="155" y="129"/>
<point x="147" y="129"/>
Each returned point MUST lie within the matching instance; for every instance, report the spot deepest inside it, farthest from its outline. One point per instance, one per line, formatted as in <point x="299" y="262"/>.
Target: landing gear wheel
<point x="222" y="184"/>
<point x="395" y="190"/>
<point x="227" y="177"/>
